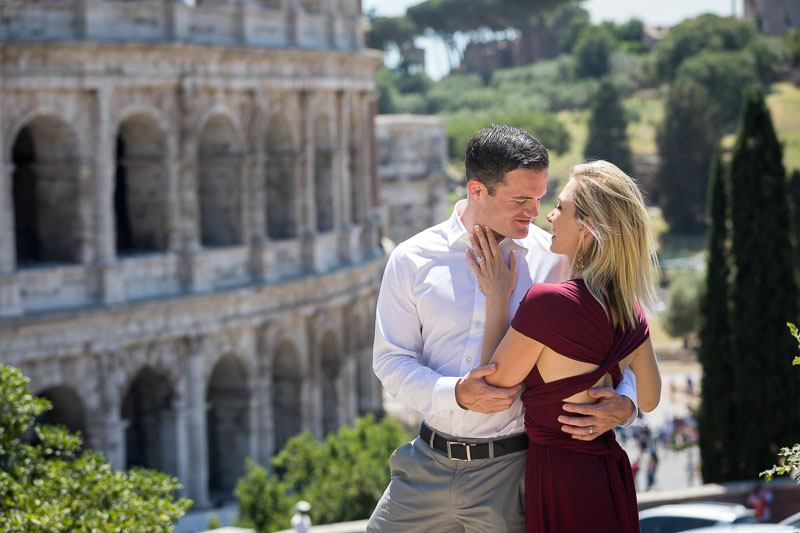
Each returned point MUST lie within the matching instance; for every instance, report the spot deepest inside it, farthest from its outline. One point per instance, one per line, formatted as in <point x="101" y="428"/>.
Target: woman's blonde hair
<point x="620" y="267"/>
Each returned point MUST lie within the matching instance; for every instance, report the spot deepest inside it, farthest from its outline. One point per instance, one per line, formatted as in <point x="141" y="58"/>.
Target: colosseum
<point x="189" y="224"/>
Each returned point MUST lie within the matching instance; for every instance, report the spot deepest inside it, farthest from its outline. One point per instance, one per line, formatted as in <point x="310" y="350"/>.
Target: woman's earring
<point x="578" y="263"/>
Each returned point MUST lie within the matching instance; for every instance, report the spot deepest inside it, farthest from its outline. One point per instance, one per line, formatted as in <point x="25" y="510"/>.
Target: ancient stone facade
<point x="189" y="224"/>
<point x="773" y="17"/>
<point x="412" y="161"/>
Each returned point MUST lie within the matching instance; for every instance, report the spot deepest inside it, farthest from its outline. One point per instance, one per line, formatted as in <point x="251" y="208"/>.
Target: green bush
<point x="48" y="484"/>
<point x="343" y="477"/>
<point x="682" y="316"/>
<point x="544" y="126"/>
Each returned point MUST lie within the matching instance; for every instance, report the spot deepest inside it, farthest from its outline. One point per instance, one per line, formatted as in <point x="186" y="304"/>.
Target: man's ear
<point x="475" y="188"/>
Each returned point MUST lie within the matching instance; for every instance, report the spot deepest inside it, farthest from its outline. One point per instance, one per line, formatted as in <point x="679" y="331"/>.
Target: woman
<point x="566" y="338"/>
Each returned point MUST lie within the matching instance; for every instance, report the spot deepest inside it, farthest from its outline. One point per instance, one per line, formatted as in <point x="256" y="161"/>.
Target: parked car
<point x="690" y="516"/>
<point x="747" y="528"/>
<point x="793" y="520"/>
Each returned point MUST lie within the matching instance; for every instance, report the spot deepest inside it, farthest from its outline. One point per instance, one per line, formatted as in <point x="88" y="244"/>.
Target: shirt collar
<point x="456" y="231"/>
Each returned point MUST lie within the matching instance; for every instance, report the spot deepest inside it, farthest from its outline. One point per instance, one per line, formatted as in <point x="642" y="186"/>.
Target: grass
<point x="784" y="104"/>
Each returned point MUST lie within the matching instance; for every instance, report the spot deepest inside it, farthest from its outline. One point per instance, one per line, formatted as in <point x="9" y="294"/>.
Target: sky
<point x="652" y="13"/>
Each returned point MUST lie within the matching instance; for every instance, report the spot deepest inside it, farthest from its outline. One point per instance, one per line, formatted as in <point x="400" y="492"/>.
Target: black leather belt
<point x="469" y="451"/>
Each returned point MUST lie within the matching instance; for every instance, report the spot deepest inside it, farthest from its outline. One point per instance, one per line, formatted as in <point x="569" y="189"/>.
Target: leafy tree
<point x="608" y="138"/>
<point x="343" y="478"/>
<point x="725" y="75"/>
<point x="593" y="52"/>
<point x="683" y="306"/>
<point x="791" y="41"/>
<point x="392" y="32"/>
<point x="701" y="34"/>
<point x="791" y="456"/>
<point x="48" y="484"/>
<point x="685" y="142"/>
<point x="794" y="195"/>
<point x="715" y="418"/>
<point x="764" y="292"/>
<point x="544" y="126"/>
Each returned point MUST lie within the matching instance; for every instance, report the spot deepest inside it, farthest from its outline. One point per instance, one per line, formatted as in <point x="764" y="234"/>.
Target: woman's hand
<point x="496" y="279"/>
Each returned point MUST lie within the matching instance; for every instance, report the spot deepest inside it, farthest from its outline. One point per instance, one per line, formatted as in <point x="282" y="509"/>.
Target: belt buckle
<point x="466" y="446"/>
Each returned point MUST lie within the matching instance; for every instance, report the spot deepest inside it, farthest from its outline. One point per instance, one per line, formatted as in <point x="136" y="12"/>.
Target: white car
<point x="691" y="516"/>
<point x="748" y="528"/>
<point x="793" y="521"/>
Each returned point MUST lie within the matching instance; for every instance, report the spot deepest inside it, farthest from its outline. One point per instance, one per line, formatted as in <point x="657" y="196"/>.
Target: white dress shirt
<point x="430" y="318"/>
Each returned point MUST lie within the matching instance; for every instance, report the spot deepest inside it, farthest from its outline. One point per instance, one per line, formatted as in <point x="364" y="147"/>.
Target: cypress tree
<point x="794" y="196"/>
<point x="685" y="144"/>
<point x="764" y="395"/>
<point x="608" y="137"/>
<point x="715" y="418"/>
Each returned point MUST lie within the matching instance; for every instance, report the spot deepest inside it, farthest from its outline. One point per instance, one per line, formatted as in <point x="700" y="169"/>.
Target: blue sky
<point x="652" y="13"/>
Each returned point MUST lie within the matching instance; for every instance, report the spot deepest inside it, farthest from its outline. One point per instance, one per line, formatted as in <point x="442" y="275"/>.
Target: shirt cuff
<point x="444" y="395"/>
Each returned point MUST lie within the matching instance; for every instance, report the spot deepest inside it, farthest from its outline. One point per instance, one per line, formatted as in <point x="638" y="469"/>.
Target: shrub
<point x="51" y="485"/>
<point x="682" y="316"/>
<point x="343" y="477"/>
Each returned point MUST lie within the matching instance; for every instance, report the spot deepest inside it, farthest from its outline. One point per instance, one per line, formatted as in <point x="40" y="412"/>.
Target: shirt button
<point x="478" y="324"/>
<point x="469" y="359"/>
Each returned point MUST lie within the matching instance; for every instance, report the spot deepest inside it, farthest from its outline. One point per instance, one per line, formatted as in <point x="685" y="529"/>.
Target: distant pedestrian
<point x="759" y="501"/>
<point x="652" y="465"/>
<point x="301" y="522"/>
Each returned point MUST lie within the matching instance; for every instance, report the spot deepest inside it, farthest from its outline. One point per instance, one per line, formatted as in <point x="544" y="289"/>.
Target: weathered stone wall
<point x="412" y="161"/>
<point x="171" y="276"/>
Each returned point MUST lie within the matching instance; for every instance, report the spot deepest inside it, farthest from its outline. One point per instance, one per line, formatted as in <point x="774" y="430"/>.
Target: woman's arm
<point x="515" y="357"/>
<point x="648" y="378"/>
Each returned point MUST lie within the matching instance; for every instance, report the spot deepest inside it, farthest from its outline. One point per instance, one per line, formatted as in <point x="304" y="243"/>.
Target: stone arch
<point x="331" y="362"/>
<point x="148" y="410"/>
<point x="68" y="410"/>
<point x="220" y="166"/>
<point x="311" y="6"/>
<point x="140" y="199"/>
<point x="280" y="179"/>
<point x="357" y="192"/>
<point x="46" y="192"/>
<point x="227" y="424"/>
<point x="287" y="381"/>
<point x="323" y="173"/>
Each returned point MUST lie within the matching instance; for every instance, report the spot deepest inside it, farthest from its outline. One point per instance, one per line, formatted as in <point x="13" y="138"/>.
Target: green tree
<point x="715" y="417"/>
<point x="685" y="142"/>
<point x="48" y="484"/>
<point x="791" y="456"/>
<point x="724" y="74"/>
<point x="593" y="52"/>
<point x="794" y="196"/>
<point x="343" y="477"/>
<point x="544" y="126"/>
<point x="701" y="34"/>
<point x="608" y="137"/>
<point x="683" y="306"/>
<point x="764" y="292"/>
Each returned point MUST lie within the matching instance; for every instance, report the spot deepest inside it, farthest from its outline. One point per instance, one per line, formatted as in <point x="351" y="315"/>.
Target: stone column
<point x="196" y="451"/>
<point x="10" y="299"/>
<point x="307" y="216"/>
<point x="110" y="284"/>
<point x="256" y="205"/>
<point x="107" y="432"/>
<point x="193" y="274"/>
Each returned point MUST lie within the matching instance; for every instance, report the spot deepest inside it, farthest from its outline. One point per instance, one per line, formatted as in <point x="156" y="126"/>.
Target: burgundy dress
<point x="573" y="486"/>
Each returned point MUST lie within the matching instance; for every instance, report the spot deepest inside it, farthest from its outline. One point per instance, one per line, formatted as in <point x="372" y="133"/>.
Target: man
<point x="465" y="471"/>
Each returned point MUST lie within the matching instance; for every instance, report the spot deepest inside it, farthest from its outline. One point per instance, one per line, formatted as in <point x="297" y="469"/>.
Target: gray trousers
<point x="430" y="493"/>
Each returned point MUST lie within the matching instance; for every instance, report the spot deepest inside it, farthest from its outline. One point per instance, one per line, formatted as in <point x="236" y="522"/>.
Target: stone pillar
<point x="174" y="446"/>
<point x="10" y="299"/>
<point x="107" y="431"/>
<point x="307" y="216"/>
<point x="194" y="277"/>
<point x="348" y="392"/>
<point x="110" y="284"/>
<point x="196" y="477"/>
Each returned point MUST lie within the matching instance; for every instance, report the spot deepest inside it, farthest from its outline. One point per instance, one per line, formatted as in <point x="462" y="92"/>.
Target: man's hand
<point x="474" y="394"/>
<point x="611" y="411"/>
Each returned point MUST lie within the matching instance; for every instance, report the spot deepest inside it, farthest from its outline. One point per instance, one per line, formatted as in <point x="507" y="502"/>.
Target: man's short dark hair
<point x="497" y="150"/>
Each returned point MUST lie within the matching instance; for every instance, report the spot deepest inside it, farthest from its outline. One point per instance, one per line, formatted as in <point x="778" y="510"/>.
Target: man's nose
<point x="532" y="210"/>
